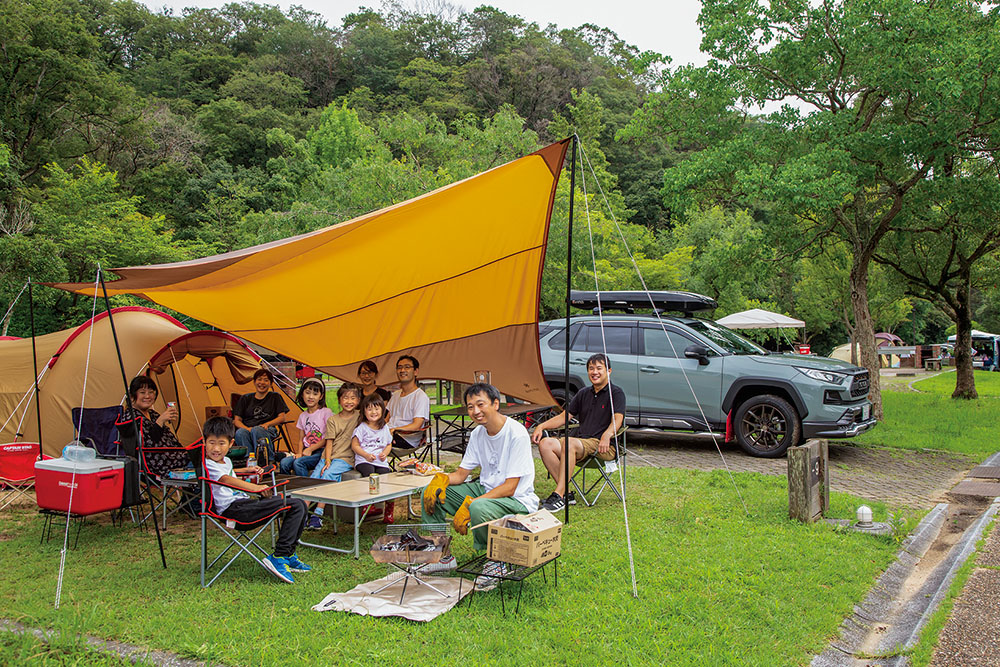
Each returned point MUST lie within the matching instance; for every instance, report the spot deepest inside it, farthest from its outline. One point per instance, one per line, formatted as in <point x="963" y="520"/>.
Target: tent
<point x="452" y="277"/>
<point x="757" y="318"/>
<point x="208" y="364"/>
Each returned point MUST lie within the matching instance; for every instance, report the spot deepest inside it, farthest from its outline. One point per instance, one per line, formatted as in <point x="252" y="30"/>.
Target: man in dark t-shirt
<point x="600" y="410"/>
<point x="258" y="414"/>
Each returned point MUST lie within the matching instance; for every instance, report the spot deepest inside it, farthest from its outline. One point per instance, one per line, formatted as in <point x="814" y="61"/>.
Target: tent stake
<point x="569" y="287"/>
<point x="128" y="402"/>
<point x="34" y="361"/>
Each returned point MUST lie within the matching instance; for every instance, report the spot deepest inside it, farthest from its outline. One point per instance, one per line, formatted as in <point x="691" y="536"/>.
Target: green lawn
<point x="931" y="419"/>
<point x="987" y="384"/>
<point x="715" y="587"/>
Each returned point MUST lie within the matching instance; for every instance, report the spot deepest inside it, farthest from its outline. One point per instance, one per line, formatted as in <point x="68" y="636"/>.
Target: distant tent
<point x="884" y="338"/>
<point x="210" y="365"/>
<point x="452" y="277"/>
<point x="758" y="318"/>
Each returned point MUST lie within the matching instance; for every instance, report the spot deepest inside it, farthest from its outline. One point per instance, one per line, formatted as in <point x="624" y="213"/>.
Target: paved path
<point x="917" y="479"/>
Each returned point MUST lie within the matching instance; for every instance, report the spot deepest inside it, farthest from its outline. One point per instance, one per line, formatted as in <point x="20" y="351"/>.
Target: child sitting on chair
<point x="233" y="501"/>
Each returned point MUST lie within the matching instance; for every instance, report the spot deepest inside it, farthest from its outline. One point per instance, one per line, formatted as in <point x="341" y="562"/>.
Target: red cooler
<point x="98" y="485"/>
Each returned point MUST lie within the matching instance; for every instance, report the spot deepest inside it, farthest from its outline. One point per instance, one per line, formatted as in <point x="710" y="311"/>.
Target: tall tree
<point x="884" y="94"/>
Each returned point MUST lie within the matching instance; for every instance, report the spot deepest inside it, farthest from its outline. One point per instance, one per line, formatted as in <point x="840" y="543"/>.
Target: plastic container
<point x="97" y="486"/>
<point x="77" y="451"/>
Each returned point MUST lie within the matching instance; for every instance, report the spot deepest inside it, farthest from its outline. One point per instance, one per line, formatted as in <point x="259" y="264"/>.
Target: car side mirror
<point x="699" y="352"/>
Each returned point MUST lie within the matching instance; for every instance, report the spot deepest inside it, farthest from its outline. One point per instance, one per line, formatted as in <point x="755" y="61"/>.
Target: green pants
<point x="480" y="510"/>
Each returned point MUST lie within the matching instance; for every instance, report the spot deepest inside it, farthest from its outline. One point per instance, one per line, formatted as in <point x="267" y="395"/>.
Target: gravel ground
<point x="972" y="634"/>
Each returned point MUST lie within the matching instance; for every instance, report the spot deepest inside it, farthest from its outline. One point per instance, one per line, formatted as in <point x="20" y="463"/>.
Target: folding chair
<point x="154" y="482"/>
<point x="17" y="470"/>
<point x="605" y="469"/>
<point x="282" y="437"/>
<point x="243" y="536"/>
<point x="100" y="426"/>
<point x="420" y="450"/>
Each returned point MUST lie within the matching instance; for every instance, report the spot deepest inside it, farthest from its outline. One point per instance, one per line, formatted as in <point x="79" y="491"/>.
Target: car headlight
<point x="823" y="376"/>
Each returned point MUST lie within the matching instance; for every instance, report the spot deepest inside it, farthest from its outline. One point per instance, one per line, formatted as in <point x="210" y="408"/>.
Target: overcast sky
<point x="668" y="27"/>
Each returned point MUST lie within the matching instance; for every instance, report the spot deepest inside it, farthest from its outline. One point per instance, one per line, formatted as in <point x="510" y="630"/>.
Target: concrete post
<point x="808" y="481"/>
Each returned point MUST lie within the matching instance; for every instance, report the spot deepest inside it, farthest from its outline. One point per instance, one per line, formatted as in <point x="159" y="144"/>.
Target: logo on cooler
<point x="68" y="485"/>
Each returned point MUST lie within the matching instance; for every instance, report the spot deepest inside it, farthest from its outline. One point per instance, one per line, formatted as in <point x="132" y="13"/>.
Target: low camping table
<point x="456" y="422"/>
<point x="354" y="494"/>
<point x="513" y="573"/>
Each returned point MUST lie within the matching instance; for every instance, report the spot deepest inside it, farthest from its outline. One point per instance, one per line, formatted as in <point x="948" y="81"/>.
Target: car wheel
<point x="767" y="426"/>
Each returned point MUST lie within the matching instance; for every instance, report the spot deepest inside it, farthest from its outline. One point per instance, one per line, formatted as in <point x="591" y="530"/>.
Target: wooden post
<point x="808" y="481"/>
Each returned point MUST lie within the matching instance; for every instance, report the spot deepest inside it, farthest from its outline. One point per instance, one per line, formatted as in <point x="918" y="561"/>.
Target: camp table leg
<point x="357" y="537"/>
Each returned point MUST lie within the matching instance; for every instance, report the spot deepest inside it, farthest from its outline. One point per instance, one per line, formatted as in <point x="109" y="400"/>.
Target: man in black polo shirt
<point x="600" y="410"/>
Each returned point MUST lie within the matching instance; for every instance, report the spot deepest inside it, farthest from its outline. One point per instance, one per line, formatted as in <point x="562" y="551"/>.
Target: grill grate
<point x="860" y="385"/>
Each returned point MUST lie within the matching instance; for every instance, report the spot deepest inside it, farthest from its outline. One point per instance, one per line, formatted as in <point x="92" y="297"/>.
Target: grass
<point x="60" y="648"/>
<point x="931" y="419"/>
<point x="943" y="384"/>
<point x="715" y="587"/>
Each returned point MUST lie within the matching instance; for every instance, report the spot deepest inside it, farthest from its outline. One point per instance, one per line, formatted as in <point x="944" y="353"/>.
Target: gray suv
<point x="771" y="401"/>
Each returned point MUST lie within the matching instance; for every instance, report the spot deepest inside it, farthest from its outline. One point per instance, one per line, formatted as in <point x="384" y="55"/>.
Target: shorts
<point x="590" y="447"/>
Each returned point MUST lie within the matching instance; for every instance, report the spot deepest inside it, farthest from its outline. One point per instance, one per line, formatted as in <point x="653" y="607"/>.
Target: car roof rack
<point x="629" y="301"/>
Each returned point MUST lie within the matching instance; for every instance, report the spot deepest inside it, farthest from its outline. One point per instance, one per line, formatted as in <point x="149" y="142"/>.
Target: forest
<point x="834" y="161"/>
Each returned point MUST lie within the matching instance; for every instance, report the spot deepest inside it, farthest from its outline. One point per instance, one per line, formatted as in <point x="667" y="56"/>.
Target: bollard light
<point x="864" y="516"/>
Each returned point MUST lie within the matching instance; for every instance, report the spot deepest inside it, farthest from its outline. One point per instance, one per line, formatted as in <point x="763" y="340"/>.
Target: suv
<point x="769" y="401"/>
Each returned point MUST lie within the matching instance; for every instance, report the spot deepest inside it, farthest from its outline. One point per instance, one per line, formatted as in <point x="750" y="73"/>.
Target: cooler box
<point x="99" y="484"/>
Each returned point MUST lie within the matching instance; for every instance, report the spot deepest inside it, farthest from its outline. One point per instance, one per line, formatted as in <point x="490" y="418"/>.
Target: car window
<point x="617" y="338"/>
<point x="558" y="341"/>
<point x="724" y="338"/>
<point x="655" y="344"/>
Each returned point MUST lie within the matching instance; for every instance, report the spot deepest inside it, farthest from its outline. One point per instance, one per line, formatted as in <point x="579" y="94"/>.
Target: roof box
<point x="629" y="301"/>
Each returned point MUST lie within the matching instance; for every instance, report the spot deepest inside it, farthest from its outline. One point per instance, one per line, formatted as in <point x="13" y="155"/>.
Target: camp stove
<point x="408" y="548"/>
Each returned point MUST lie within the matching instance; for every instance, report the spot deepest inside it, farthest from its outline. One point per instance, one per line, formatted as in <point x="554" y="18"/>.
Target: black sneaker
<point x="571" y="498"/>
<point x="554" y="503"/>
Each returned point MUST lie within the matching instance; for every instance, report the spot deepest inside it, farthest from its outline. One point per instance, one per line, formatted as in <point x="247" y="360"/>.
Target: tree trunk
<point x="965" y="380"/>
<point x="864" y="329"/>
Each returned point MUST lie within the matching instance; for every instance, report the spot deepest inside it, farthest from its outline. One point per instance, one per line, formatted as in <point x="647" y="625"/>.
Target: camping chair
<point x="99" y="425"/>
<point x="236" y="453"/>
<point x="156" y="484"/>
<point x="243" y="536"/>
<point x="17" y="470"/>
<point x="420" y="450"/>
<point x="605" y="470"/>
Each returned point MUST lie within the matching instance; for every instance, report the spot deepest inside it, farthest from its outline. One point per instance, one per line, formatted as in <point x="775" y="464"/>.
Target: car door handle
<point x="649" y="369"/>
<point x="578" y="361"/>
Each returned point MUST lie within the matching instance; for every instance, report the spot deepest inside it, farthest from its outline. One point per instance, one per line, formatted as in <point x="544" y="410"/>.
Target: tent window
<point x="558" y="341"/>
<point x="618" y="339"/>
<point x="657" y="345"/>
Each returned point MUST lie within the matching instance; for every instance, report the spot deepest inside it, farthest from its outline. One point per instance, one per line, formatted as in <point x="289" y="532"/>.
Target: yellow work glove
<point x="434" y="493"/>
<point x="462" y="519"/>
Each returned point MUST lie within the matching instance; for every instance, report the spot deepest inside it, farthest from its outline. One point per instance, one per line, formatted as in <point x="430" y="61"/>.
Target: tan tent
<point x="194" y="369"/>
<point x="452" y="277"/>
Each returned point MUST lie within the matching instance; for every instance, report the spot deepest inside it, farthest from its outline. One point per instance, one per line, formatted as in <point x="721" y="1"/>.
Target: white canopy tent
<point x="976" y="335"/>
<point x="758" y="318"/>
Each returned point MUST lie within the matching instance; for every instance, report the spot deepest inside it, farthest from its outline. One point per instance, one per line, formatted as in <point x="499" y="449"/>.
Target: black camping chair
<point x="243" y="536"/>
<point x="605" y="469"/>
<point x="100" y="426"/>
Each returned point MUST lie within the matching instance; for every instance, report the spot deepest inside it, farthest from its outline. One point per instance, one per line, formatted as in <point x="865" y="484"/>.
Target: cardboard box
<point x="537" y="538"/>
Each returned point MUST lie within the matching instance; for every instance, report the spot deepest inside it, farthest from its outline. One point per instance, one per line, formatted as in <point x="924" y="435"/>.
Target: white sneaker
<point x="444" y="565"/>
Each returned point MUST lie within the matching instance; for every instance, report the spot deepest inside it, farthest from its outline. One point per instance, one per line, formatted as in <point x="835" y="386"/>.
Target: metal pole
<point x="569" y="287"/>
<point x="34" y="361"/>
<point x="128" y="403"/>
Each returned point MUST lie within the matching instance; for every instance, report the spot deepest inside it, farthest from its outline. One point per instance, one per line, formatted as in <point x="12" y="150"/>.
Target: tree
<point x="940" y="255"/>
<point x="887" y="93"/>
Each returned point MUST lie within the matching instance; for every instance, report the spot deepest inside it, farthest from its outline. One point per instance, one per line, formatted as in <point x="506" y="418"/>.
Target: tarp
<point x="758" y="318"/>
<point x="209" y="365"/>
<point x="452" y="277"/>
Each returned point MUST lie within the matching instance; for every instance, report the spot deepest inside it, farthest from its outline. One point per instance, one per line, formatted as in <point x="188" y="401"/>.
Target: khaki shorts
<point x="590" y="447"/>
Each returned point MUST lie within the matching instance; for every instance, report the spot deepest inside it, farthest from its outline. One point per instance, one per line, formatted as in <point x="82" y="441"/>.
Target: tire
<point x="766" y="426"/>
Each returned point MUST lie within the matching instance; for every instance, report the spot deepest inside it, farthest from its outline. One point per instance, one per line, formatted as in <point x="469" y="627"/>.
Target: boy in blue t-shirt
<point x="236" y="504"/>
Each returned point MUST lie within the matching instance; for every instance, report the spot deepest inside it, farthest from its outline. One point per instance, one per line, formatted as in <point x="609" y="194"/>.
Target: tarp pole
<point x="34" y="362"/>
<point x="569" y="287"/>
<point x="132" y="411"/>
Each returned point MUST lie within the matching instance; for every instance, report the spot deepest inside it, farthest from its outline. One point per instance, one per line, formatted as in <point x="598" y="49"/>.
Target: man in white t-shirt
<point x="501" y="448"/>
<point x="409" y="407"/>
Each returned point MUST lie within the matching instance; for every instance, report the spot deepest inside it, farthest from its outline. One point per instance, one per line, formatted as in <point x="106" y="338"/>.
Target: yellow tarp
<point x="452" y="277"/>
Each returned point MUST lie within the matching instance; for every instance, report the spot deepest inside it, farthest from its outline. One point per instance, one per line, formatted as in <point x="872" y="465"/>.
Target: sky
<point x="668" y="27"/>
